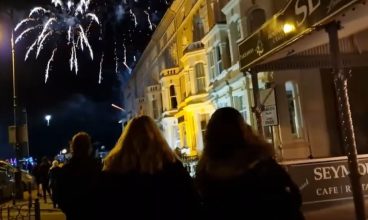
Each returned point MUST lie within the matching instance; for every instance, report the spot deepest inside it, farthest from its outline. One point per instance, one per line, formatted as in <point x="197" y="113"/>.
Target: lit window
<point x="204" y="121"/>
<point x="295" y="113"/>
<point x="239" y="104"/>
<point x="182" y="87"/>
<point x="219" y="60"/>
<point x="212" y="65"/>
<point x="173" y="101"/>
<point x="155" y="109"/>
<point x="200" y="77"/>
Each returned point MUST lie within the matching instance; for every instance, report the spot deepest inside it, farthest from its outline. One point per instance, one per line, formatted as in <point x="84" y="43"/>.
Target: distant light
<point x="48" y="117"/>
<point x="120" y="122"/>
<point x="64" y="151"/>
<point x="288" y="27"/>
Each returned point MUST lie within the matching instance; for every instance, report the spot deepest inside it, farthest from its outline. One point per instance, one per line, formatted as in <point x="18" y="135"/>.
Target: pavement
<point x="343" y="210"/>
<point x="48" y="212"/>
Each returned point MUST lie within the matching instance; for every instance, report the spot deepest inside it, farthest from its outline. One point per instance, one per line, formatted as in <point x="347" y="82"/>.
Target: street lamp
<point x="47" y="118"/>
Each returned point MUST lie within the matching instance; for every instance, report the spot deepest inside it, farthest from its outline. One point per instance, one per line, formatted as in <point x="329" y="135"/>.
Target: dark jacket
<point x="265" y="191"/>
<point x="76" y="185"/>
<point x="168" y="194"/>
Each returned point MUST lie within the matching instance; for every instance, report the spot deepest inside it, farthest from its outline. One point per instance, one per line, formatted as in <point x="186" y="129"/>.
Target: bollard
<point x="29" y="195"/>
<point x="37" y="210"/>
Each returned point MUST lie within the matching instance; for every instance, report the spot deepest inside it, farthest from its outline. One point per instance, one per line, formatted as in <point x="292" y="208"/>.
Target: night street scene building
<point x="283" y="65"/>
<point x="295" y="69"/>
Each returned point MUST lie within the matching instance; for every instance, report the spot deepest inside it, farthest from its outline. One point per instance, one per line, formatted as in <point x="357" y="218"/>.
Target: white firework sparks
<point x="23" y="22"/>
<point x="134" y="17"/>
<point x="116" y="60"/>
<point x="100" y="74"/>
<point x="150" y="26"/>
<point x="49" y="65"/>
<point x="125" y="62"/>
<point x="65" y="18"/>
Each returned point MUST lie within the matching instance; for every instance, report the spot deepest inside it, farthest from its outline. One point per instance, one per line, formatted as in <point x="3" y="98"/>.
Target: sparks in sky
<point x="62" y="19"/>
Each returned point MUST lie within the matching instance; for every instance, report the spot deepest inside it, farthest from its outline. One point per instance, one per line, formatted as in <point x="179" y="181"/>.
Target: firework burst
<point x="66" y="18"/>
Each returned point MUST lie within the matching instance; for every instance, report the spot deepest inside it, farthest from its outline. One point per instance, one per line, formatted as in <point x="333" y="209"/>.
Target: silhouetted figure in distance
<point x="77" y="180"/>
<point x="43" y="172"/>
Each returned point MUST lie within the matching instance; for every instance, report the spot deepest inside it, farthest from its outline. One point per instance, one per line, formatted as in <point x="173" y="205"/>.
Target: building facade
<point x="192" y="66"/>
<point x="282" y="85"/>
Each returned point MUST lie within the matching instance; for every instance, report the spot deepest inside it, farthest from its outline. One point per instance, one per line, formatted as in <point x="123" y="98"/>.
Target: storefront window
<point x="295" y="114"/>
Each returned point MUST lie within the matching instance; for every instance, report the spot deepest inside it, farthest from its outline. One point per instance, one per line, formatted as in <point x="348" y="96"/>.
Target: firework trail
<point x="149" y="20"/>
<point x="134" y="17"/>
<point x="125" y="60"/>
<point x="49" y="65"/>
<point x="100" y="74"/>
<point x="116" y="59"/>
<point x="60" y="20"/>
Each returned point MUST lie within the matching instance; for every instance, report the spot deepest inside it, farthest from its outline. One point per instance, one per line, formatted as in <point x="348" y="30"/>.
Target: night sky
<point x="76" y="102"/>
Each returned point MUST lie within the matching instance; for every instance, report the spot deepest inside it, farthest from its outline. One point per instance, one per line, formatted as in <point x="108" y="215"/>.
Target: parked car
<point x="10" y="170"/>
<point x="6" y="186"/>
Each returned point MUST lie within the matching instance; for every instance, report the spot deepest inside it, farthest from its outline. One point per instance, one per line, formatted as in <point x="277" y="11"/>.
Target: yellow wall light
<point x="288" y="27"/>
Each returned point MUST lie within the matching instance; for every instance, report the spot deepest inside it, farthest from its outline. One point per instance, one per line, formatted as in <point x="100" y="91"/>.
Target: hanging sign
<point x="298" y="18"/>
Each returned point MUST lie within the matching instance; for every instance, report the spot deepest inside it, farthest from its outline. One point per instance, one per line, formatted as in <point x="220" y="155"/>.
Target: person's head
<point x="229" y="138"/>
<point x="81" y="145"/>
<point x="44" y="160"/>
<point x="55" y="163"/>
<point x="141" y="147"/>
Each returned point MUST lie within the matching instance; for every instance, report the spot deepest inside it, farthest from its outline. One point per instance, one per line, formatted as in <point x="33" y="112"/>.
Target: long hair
<point x="141" y="147"/>
<point x="230" y="144"/>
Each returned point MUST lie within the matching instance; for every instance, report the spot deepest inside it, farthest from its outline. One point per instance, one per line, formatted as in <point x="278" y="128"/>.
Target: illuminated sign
<point x="326" y="181"/>
<point x="297" y="19"/>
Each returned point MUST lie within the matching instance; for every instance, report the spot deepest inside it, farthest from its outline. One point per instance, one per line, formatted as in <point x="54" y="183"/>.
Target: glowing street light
<point x="47" y="118"/>
<point x="288" y="27"/>
<point x="64" y="151"/>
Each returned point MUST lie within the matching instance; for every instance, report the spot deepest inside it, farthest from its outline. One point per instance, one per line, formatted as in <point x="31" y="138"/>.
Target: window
<point x="200" y="77"/>
<point x="256" y="18"/>
<point x="219" y="60"/>
<point x="183" y="87"/>
<point x="155" y="109"/>
<point x="173" y="101"/>
<point x="239" y="104"/>
<point x="204" y="121"/>
<point x="212" y="66"/>
<point x="238" y="29"/>
<point x="295" y="114"/>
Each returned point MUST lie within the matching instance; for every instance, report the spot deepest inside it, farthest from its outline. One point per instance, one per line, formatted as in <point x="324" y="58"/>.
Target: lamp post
<point x="17" y="147"/>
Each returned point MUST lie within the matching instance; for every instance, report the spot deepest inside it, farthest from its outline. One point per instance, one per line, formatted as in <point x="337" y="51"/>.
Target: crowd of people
<point x="142" y="178"/>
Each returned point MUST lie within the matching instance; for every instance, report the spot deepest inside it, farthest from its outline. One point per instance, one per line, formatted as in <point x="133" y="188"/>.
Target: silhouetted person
<point x="36" y="174"/>
<point x="54" y="176"/>
<point x="237" y="177"/>
<point x="78" y="179"/>
<point x="142" y="178"/>
<point x="43" y="172"/>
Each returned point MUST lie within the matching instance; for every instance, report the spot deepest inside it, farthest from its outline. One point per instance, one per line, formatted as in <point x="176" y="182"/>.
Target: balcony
<point x="169" y="72"/>
<point x="153" y="88"/>
<point x="194" y="47"/>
